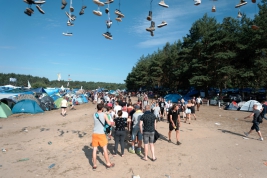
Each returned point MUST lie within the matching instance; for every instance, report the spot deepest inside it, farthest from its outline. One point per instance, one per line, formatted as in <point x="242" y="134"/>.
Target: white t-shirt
<point x="64" y="103"/>
<point x="124" y="114"/>
<point x="198" y="100"/>
<point x="116" y="109"/>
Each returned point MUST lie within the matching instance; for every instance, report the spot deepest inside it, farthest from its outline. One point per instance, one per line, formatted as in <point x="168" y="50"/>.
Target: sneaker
<point x="163" y="23"/>
<point x="107" y="10"/>
<point x="63" y="2"/>
<point x="30" y="10"/>
<point x="169" y="140"/>
<point x="119" y="19"/>
<point x="131" y="150"/>
<point x="38" y="2"/>
<point x="39" y="9"/>
<point x="213" y="9"/>
<point x="138" y="151"/>
<point x="28" y="13"/>
<point x="99" y="3"/>
<point x="152" y="27"/>
<point x="162" y="3"/>
<point x="242" y="3"/>
<point x="118" y="12"/>
<point x="178" y="143"/>
<point x="28" y="1"/>
<point x="261" y="139"/>
<point x="84" y="7"/>
<point x="81" y="12"/>
<point x="246" y="134"/>
<point x="63" y="7"/>
<point x="197" y="2"/>
<point x="109" y="23"/>
<point x="98" y="13"/>
<point x="107" y="35"/>
<point x="73" y="17"/>
<point x="109" y="1"/>
<point x="69" y="23"/>
<point x="149" y="17"/>
<point x="239" y="15"/>
<point x="72" y="9"/>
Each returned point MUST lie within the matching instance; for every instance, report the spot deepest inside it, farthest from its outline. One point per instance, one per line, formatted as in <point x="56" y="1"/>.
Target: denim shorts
<point x="149" y="137"/>
<point x="136" y="131"/>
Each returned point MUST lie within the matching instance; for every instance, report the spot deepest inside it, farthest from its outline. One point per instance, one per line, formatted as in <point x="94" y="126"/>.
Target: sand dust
<point x="208" y="149"/>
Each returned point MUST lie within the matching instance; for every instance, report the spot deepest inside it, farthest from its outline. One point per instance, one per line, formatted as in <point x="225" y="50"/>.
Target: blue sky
<point x="35" y="45"/>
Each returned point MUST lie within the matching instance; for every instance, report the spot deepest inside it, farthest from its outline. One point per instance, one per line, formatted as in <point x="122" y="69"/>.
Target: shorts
<point x="129" y="120"/>
<point x="136" y="131"/>
<point x="148" y="137"/>
<point x="63" y="107"/>
<point x="255" y="126"/>
<point x="99" y="140"/>
<point x="161" y="111"/>
<point x="171" y="128"/>
<point x="188" y="111"/>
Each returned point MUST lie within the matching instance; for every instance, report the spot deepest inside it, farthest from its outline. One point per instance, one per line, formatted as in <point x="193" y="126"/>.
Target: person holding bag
<point x="120" y="133"/>
<point x="99" y="137"/>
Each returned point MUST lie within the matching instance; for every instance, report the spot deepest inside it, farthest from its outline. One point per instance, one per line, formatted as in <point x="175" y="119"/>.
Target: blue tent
<point x="51" y="91"/>
<point x="84" y="99"/>
<point x="80" y="101"/>
<point x="38" y="90"/>
<point x="173" y="97"/>
<point x="27" y="106"/>
<point x="55" y="97"/>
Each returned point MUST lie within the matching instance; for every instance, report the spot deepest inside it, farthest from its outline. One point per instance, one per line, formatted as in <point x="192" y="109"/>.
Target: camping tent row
<point x="243" y="105"/>
<point x="30" y="104"/>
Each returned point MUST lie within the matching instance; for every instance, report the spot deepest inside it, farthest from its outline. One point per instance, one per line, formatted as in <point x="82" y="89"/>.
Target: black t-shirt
<point x="256" y="115"/>
<point x="123" y="104"/>
<point x="131" y="113"/>
<point x="148" y="119"/>
<point x="174" y="115"/>
<point x="120" y="123"/>
<point x="162" y="104"/>
<point x="264" y="109"/>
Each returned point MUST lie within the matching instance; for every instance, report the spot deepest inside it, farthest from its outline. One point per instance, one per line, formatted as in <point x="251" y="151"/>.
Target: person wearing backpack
<point x="257" y="119"/>
<point x="264" y="110"/>
<point x="99" y="137"/>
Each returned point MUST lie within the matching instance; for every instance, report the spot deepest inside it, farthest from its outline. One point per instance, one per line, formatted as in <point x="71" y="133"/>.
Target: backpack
<point x="260" y="117"/>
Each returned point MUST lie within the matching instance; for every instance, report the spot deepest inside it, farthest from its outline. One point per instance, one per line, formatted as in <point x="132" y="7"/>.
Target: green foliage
<point x="222" y="55"/>
<point x="36" y="82"/>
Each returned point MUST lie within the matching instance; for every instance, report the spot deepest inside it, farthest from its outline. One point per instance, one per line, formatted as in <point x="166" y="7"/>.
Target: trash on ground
<point x="217" y="123"/>
<point x="136" y="176"/>
<point x="246" y="138"/>
<point x="24" y="159"/>
<point x="49" y="143"/>
<point x="51" y="166"/>
<point x="168" y="176"/>
<point x="3" y="150"/>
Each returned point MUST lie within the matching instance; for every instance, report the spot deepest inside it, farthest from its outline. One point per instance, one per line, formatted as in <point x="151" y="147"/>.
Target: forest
<point x="230" y="54"/>
<point x="36" y="82"/>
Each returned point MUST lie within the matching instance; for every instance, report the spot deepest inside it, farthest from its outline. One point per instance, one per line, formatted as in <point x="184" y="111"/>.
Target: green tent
<point x="5" y="111"/>
<point x="58" y="102"/>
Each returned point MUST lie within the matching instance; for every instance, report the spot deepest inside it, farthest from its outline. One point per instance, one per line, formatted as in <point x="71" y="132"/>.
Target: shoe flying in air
<point x="107" y="35"/>
<point x="64" y="3"/>
<point x="67" y="34"/>
<point x="71" y="17"/>
<point x="152" y="27"/>
<point x="197" y="2"/>
<point x="119" y="18"/>
<point x="149" y="17"/>
<point x="40" y="10"/>
<point x="118" y="12"/>
<point x="69" y="23"/>
<point x="99" y="3"/>
<point x="109" y="23"/>
<point x="241" y="3"/>
<point x="163" y="23"/>
<point x="109" y="1"/>
<point x="98" y="13"/>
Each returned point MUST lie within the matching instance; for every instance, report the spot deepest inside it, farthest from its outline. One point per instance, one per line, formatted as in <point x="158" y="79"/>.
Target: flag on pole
<point x="68" y="84"/>
<point x="59" y="77"/>
<point x="29" y="85"/>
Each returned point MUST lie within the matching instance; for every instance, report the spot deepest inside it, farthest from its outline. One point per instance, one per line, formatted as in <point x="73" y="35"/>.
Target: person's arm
<point x="179" y="120"/>
<point x="251" y="115"/>
<point x="107" y="120"/>
<point x="141" y="126"/>
<point x="155" y="124"/>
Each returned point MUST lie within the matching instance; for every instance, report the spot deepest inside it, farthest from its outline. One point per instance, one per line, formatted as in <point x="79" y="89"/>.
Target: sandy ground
<point x="207" y="150"/>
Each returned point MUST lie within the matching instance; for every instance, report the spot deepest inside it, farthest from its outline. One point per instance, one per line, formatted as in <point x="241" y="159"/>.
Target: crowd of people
<point x="119" y="118"/>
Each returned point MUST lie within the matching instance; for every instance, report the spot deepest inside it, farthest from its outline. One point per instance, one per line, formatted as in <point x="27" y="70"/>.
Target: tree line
<point x="36" y="82"/>
<point x="230" y="54"/>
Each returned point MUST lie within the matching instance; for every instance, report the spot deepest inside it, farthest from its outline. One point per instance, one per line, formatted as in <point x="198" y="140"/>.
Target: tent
<point x="248" y="106"/>
<point x="27" y="106"/>
<point x="55" y="97"/>
<point x="232" y="106"/>
<point x="80" y="101"/>
<point x="173" y="97"/>
<point x="58" y="102"/>
<point x="48" y="103"/>
<point x="38" y="90"/>
<point x="51" y="91"/>
<point x="84" y="99"/>
<point x="5" y="111"/>
<point x="8" y="102"/>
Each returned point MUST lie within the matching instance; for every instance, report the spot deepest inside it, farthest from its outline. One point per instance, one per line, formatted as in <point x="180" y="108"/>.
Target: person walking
<point x="193" y="108"/>
<point x="255" y="114"/>
<point x="198" y="101"/>
<point x="64" y="105"/>
<point x="188" y="108"/>
<point x="156" y="111"/>
<point x="174" y="123"/>
<point x="148" y="124"/>
<point x="120" y="134"/>
<point x="99" y="137"/>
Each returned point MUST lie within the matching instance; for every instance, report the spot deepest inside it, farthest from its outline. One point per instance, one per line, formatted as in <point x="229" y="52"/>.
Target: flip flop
<point x="154" y="159"/>
<point x="144" y="159"/>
